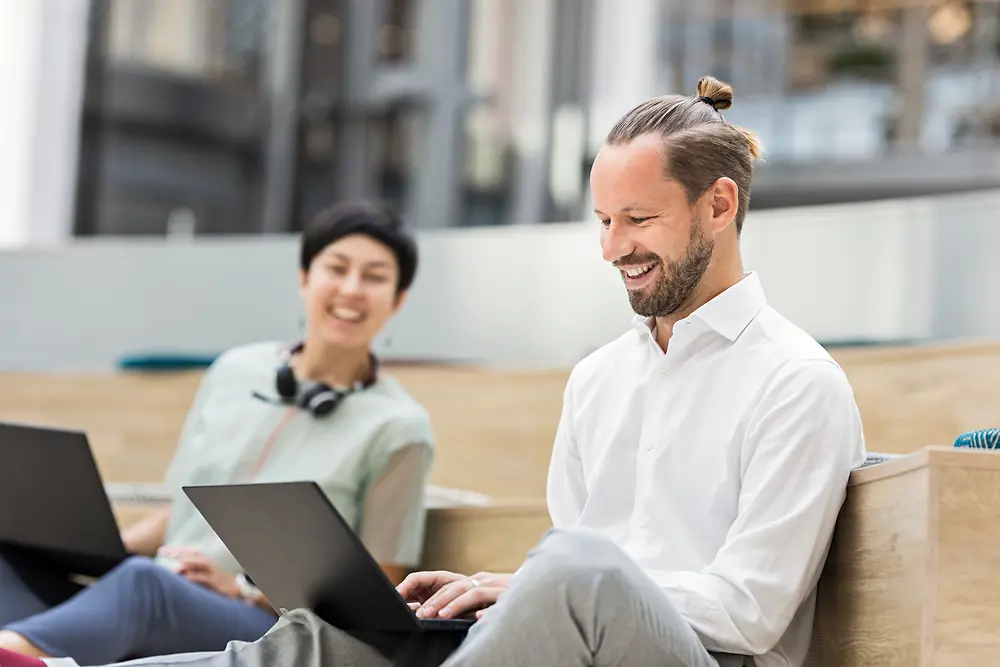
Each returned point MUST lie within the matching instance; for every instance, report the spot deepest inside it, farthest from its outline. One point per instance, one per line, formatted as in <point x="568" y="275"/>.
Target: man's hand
<point x="450" y="595"/>
<point x="196" y="567"/>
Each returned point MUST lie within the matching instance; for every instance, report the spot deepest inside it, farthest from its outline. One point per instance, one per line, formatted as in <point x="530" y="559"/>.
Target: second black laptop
<point x="301" y="553"/>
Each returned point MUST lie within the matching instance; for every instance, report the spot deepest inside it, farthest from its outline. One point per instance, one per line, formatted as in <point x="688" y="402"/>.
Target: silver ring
<point x="473" y="582"/>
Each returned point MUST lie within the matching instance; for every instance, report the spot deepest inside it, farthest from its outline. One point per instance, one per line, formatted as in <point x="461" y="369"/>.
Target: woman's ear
<point x="303" y="280"/>
<point x="400" y="300"/>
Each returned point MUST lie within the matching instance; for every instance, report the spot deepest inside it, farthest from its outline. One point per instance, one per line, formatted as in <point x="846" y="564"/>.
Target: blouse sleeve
<point x="393" y="515"/>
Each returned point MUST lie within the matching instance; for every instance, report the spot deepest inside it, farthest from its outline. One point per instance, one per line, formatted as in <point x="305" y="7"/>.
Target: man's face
<point x="651" y="234"/>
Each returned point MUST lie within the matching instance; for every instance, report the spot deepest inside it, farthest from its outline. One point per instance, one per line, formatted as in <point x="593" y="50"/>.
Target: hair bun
<point x="715" y="93"/>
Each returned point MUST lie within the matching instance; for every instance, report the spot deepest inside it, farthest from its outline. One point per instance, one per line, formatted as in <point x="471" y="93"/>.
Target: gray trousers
<point x="578" y="600"/>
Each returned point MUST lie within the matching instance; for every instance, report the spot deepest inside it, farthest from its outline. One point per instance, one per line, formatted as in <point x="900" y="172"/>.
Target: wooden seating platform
<point x="907" y="583"/>
<point x="494" y="433"/>
<point x="911" y="576"/>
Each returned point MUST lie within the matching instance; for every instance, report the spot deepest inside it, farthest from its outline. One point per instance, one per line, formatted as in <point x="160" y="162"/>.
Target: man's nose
<point x="614" y="242"/>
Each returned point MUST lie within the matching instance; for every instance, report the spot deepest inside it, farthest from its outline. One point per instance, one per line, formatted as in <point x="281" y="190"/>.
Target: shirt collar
<point x="728" y="314"/>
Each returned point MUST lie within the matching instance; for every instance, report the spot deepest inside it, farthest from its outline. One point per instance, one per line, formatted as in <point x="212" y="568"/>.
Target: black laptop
<point x="301" y="553"/>
<point x="52" y="500"/>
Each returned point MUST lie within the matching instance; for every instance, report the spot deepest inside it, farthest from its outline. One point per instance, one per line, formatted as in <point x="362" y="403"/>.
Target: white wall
<point x="524" y="296"/>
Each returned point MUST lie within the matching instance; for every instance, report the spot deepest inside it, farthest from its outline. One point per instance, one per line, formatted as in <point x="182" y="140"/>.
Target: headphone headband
<point x="321" y="399"/>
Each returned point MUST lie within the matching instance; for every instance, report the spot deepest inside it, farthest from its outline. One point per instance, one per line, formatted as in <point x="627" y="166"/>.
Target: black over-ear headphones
<point x="319" y="400"/>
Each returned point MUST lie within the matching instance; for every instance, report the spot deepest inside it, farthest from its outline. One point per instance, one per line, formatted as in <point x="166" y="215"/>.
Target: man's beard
<point x="677" y="280"/>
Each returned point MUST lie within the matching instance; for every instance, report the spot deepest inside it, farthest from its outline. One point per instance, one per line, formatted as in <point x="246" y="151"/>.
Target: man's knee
<point x="572" y="554"/>
<point x="581" y="545"/>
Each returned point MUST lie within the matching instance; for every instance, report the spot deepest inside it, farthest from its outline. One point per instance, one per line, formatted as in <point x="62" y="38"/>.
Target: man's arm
<point x="802" y="441"/>
<point x="566" y="490"/>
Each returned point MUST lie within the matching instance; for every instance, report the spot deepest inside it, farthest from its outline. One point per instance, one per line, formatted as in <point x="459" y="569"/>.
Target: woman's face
<point x="349" y="292"/>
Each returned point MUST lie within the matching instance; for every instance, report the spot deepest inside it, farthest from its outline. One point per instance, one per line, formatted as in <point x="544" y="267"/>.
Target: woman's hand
<point x="450" y="595"/>
<point x="196" y="567"/>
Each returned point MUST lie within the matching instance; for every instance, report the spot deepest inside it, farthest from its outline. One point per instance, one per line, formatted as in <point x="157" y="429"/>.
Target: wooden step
<point x="911" y="580"/>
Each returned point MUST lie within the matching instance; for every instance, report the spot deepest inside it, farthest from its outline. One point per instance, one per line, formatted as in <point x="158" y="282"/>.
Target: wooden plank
<point x="963" y="627"/>
<point x="868" y="599"/>
<point x="922" y="396"/>
<point x="909" y="578"/>
<point x="495" y="429"/>
<point x="468" y="540"/>
<point x="483" y="539"/>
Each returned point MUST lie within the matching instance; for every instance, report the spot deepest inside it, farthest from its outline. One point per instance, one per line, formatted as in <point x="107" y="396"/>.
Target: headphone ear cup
<point x="285" y="382"/>
<point x="320" y="400"/>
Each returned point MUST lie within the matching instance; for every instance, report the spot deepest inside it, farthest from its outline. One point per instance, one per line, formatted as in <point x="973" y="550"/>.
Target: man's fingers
<point x="418" y="586"/>
<point x="459" y="598"/>
<point x="444" y="596"/>
<point x="476" y="599"/>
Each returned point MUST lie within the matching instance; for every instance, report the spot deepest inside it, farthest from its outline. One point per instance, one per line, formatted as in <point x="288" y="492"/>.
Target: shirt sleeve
<point x="566" y="490"/>
<point x="184" y="455"/>
<point x="393" y="514"/>
<point x="802" y="441"/>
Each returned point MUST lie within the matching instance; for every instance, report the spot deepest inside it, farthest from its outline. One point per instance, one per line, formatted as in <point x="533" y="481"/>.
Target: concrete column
<point x="531" y="105"/>
<point x="624" y="72"/>
<point x="40" y="118"/>
<point x="282" y="82"/>
<point x="987" y="35"/>
<point x="442" y="61"/>
<point x="911" y="71"/>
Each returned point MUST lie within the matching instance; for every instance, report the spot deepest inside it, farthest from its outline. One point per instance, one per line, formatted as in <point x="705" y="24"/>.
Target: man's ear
<point x="724" y="203"/>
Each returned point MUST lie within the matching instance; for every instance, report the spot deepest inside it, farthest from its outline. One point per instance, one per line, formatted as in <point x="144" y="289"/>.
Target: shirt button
<point x="663" y="374"/>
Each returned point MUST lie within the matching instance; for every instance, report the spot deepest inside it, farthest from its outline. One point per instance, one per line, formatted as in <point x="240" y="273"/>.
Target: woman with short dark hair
<point x="316" y="409"/>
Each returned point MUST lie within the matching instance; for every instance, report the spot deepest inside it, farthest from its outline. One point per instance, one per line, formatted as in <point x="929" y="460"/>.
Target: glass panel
<point x="174" y="124"/>
<point x="197" y="38"/>
<point x="821" y="83"/>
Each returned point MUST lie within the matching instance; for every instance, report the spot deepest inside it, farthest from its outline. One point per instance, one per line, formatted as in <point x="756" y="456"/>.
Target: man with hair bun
<point x="700" y="461"/>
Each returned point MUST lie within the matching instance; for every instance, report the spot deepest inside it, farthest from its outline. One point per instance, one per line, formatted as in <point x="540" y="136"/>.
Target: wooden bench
<point x="495" y="431"/>
<point x="911" y="576"/>
<point x="913" y="397"/>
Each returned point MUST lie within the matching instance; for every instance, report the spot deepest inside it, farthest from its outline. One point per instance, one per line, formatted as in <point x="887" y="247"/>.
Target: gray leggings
<point x="137" y="609"/>
<point x="578" y="600"/>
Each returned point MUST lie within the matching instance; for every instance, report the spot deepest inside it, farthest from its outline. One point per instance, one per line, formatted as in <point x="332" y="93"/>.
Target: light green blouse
<point x="371" y="456"/>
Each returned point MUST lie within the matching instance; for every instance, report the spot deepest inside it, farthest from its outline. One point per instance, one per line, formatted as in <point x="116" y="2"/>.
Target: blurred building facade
<point x="247" y="116"/>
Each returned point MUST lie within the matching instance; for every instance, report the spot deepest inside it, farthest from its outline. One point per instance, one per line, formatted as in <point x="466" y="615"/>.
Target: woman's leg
<point x="28" y="587"/>
<point x="140" y="609"/>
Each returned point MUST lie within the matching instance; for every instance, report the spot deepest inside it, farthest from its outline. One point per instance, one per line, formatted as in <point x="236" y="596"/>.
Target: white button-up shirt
<point x="720" y="466"/>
